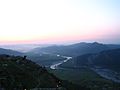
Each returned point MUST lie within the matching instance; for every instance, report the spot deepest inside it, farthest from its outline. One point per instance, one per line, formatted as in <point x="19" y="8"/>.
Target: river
<point x="55" y="65"/>
<point x="108" y="74"/>
<point x="105" y="73"/>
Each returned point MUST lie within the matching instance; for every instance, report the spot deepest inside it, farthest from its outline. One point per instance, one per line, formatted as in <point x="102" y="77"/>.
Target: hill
<point x="20" y="73"/>
<point x="75" y="49"/>
<point x="107" y="59"/>
<point x="10" y="52"/>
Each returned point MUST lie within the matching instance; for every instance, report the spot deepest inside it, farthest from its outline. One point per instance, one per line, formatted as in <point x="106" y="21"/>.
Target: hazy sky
<point x="59" y="21"/>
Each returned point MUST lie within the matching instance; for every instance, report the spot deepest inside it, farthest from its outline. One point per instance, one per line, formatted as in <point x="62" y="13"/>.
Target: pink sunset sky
<point x="59" y="21"/>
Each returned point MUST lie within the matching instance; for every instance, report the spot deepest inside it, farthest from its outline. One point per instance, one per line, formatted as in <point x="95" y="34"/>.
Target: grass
<point x="86" y="78"/>
<point x="75" y="74"/>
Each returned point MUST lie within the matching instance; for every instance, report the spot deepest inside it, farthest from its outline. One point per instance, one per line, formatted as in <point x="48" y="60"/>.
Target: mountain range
<point x="76" y="49"/>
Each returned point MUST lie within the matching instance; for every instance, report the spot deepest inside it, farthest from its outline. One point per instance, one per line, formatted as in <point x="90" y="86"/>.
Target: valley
<point x="89" y="70"/>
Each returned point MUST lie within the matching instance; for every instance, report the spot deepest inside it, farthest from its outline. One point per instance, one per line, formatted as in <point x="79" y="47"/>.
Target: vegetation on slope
<point x="86" y="78"/>
<point x="20" y="73"/>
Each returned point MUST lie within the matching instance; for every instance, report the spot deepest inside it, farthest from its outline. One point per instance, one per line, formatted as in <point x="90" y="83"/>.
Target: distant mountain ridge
<point x="76" y="49"/>
<point x="10" y="52"/>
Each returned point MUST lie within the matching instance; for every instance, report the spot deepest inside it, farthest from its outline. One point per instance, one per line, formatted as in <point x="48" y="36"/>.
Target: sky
<point x="59" y="21"/>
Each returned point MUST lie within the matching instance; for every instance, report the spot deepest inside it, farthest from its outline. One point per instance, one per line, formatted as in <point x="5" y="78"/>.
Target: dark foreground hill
<point x="19" y="73"/>
<point x="75" y="49"/>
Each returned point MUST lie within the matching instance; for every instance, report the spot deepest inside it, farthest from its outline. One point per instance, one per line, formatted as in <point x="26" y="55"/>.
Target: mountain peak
<point x="96" y="43"/>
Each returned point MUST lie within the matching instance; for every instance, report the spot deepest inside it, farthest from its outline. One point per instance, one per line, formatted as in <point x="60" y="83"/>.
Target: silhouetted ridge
<point x="76" y="49"/>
